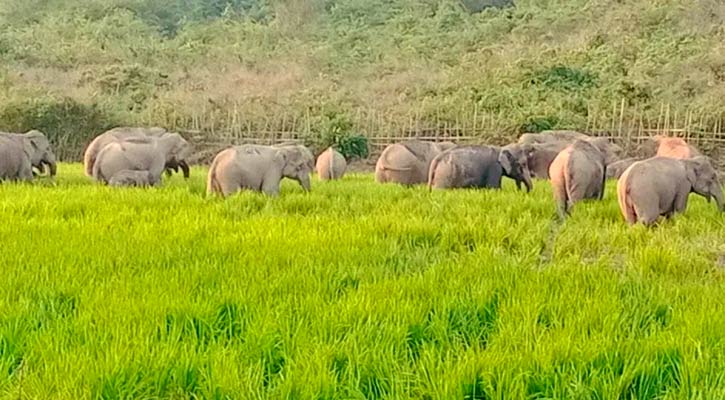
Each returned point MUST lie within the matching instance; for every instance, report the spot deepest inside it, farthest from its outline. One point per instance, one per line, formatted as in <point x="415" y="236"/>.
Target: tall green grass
<point x="355" y="290"/>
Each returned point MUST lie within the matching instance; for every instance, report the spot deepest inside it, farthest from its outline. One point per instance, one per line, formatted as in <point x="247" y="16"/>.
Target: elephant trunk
<point x="527" y="179"/>
<point x="53" y="167"/>
<point x="184" y="168"/>
<point x="717" y="194"/>
<point x="51" y="163"/>
<point x="305" y="182"/>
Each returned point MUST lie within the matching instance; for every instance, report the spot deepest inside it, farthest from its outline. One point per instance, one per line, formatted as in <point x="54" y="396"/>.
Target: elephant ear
<point x="692" y="168"/>
<point x="505" y="158"/>
<point x="281" y="157"/>
<point x="29" y="148"/>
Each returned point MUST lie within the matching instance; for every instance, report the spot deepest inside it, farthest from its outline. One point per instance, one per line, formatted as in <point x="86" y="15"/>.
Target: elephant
<point x="258" y="168"/>
<point x="534" y="158"/>
<point x="331" y="165"/>
<point x="120" y="133"/>
<point x="467" y="167"/>
<point x="140" y="154"/>
<point x="408" y="162"/>
<point x="539" y="156"/>
<point x="577" y="173"/>
<point x="615" y="169"/>
<point x="129" y="177"/>
<point x="664" y="146"/>
<point x="515" y="163"/>
<point x="37" y="148"/>
<point x="611" y="151"/>
<point x="660" y="186"/>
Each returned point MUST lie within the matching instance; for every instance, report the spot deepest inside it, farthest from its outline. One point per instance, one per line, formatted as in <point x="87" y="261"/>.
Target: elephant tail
<point x="432" y="173"/>
<point x="331" y="163"/>
<point x="212" y="184"/>
<point x="560" y="181"/>
<point x="625" y="201"/>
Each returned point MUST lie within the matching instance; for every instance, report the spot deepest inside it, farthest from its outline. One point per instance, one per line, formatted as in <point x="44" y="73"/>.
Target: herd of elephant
<point x="578" y="166"/>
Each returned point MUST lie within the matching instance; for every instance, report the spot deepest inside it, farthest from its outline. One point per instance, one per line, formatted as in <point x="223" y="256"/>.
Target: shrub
<point x="68" y="124"/>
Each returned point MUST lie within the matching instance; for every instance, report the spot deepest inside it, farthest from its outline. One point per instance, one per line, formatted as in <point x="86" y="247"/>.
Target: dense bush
<point x="68" y="124"/>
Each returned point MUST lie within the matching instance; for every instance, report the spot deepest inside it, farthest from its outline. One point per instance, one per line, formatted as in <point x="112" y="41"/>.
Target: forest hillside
<point x="321" y="67"/>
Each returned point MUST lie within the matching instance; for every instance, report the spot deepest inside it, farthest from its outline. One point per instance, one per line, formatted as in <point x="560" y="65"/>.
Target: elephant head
<point x="514" y="161"/>
<point x="704" y="181"/>
<point x="610" y="151"/>
<point x="178" y="154"/>
<point x="297" y="164"/>
<point x="648" y="148"/>
<point x="40" y="152"/>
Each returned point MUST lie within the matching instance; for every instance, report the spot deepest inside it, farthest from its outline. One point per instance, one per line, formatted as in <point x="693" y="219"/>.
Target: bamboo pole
<point x="667" y="120"/>
<point x="621" y="117"/>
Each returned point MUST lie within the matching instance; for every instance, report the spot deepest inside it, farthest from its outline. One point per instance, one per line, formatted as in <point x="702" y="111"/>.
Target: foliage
<point x="70" y="126"/>
<point x="354" y="290"/>
<point x="253" y="65"/>
<point x="337" y="131"/>
<point x="353" y="146"/>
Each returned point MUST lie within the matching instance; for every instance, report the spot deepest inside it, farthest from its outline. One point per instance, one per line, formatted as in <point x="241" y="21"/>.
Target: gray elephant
<point x="258" y="168"/>
<point x="131" y="178"/>
<point x="577" y="173"/>
<point x="660" y="186"/>
<point x="408" y="162"/>
<point x="174" y="163"/>
<point x="331" y="164"/>
<point x="531" y="159"/>
<point x="151" y="154"/>
<point x="467" y="167"/>
<point x="611" y="151"/>
<point x="616" y="169"/>
<point x="539" y="156"/>
<point x="36" y="150"/>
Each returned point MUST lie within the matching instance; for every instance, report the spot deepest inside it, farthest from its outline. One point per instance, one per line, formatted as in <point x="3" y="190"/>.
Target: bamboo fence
<point x="625" y="125"/>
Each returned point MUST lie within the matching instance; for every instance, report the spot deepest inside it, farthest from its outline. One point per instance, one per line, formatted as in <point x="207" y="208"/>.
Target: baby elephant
<point x="132" y="178"/>
<point x="577" y="173"/>
<point x="466" y="167"/>
<point x="660" y="186"/>
<point x="330" y="165"/>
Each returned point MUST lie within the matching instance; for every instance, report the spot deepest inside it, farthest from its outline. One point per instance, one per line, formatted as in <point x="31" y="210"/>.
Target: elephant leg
<point x="646" y="214"/>
<point x="224" y="178"/>
<point x="26" y="173"/>
<point x="680" y="203"/>
<point x="154" y="180"/>
<point x="271" y="183"/>
<point x="380" y="175"/>
<point x="493" y="180"/>
<point x="270" y="187"/>
<point x="576" y="192"/>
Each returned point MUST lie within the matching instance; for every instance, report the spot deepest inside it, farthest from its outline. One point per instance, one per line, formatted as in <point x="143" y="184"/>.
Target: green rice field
<point x="355" y="290"/>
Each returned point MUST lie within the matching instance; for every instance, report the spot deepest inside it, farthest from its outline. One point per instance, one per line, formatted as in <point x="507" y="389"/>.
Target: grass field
<point x="353" y="291"/>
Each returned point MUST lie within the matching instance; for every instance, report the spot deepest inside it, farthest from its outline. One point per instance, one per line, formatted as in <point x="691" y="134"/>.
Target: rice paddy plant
<point x="354" y="290"/>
